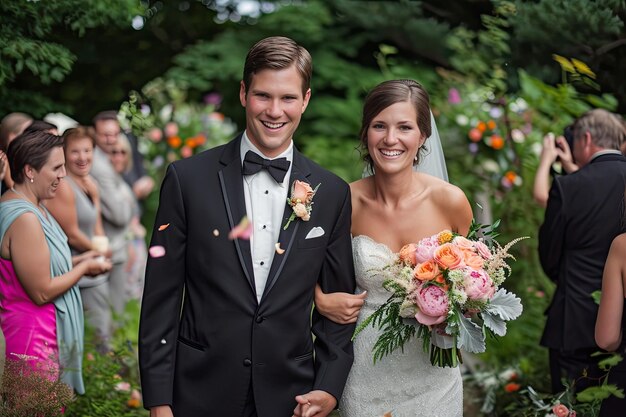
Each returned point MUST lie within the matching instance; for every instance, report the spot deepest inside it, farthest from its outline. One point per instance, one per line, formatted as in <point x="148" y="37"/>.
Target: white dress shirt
<point x="265" y="205"/>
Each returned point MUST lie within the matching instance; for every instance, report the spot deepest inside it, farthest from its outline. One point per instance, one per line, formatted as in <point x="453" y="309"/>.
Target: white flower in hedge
<point x="518" y="136"/>
<point x="490" y="165"/>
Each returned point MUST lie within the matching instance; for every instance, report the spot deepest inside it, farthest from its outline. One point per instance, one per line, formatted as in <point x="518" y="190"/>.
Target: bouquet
<point x="450" y="284"/>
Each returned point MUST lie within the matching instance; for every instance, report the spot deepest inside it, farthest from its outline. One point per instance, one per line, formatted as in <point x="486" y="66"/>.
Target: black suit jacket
<point x="203" y="337"/>
<point x="584" y="214"/>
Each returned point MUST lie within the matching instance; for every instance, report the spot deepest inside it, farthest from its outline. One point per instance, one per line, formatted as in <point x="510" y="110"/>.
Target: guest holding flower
<point x="121" y="156"/>
<point x="77" y="209"/>
<point x="40" y="309"/>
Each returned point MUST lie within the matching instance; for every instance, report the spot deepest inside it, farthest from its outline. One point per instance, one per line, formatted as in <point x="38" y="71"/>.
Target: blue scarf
<point x="69" y="306"/>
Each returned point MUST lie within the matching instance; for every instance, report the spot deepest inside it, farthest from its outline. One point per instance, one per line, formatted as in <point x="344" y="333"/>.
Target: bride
<point x="395" y="206"/>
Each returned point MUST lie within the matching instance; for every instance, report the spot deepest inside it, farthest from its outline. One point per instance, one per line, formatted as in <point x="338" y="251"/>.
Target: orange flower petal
<point x="163" y="227"/>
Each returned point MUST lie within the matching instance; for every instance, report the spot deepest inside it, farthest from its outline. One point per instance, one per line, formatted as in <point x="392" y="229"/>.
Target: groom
<point x="226" y="324"/>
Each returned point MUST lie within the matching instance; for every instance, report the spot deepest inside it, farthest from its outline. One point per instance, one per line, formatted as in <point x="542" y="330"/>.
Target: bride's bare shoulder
<point x="361" y="187"/>
<point x="442" y="191"/>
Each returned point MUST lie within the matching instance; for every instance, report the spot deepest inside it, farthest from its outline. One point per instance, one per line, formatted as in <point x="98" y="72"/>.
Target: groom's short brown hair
<point x="278" y="53"/>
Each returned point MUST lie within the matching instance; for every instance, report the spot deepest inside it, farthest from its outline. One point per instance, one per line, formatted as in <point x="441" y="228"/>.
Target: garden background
<point x="501" y="74"/>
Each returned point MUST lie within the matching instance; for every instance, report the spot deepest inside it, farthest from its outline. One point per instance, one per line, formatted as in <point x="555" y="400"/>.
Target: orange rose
<point x="174" y="141"/>
<point x="463" y="242"/>
<point x="302" y="192"/>
<point x="510" y="175"/>
<point x="426" y="271"/>
<point x="407" y="254"/>
<point x="512" y="387"/>
<point x="491" y="124"/>
<point x="472" y="259"/>
<point x="448" y="256"/>
<point x="481" y="126"/>
<point x="497" y="142"/>
<point x="191" y="142"/>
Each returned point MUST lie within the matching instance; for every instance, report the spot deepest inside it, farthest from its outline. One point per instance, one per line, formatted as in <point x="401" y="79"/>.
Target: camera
<point x="568" y="134"/>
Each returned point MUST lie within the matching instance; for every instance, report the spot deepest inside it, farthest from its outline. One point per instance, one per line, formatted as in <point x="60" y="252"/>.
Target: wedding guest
<point x="12" y="125"/>
<point x="43" y="126"/>
<point x="116" y="208"/>
<point x="135" y="175"/>
<point x="554" y="149"/>
<point x="122" y="160"/>
<point x="77" y="209"/>
<point x="40" y="310"/>
<point x="611" y="321"/>
<point x="583" y="215"/>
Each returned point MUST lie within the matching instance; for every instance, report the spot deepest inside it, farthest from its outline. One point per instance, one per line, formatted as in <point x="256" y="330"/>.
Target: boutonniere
<point x="301" y="201"/>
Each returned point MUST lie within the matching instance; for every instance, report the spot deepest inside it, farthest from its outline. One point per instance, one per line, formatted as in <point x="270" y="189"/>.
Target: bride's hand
<point x="340" y="307"/>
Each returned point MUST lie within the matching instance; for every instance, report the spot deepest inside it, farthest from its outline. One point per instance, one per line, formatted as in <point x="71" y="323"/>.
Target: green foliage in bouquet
<point x="450" y="284"/>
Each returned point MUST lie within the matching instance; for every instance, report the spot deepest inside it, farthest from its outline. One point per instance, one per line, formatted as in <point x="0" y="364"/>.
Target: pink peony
<point x="186" y="151"/>
<point x="122" y="386"/>
<point x="433" y="305"/>
<point x="478" y="285"/>
<point x="425" y="250"/>
<point x="155" y="134"/>
<point x="482" y="249"/>
<point x="560" y="410"/>
<point x="453" y="96"/>
<point x="171" y="129"/>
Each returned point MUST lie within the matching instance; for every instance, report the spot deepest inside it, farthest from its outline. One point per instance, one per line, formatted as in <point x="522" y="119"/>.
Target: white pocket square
<point x="315" y="232"/>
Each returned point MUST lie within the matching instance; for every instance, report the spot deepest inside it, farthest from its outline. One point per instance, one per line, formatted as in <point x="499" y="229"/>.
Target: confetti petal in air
<point x="163" y="227"/>
<point x="242" y="231"/>
<point x="279" y="250"/>
<point x="216" y="232"/>
<point x="156" y="251"/>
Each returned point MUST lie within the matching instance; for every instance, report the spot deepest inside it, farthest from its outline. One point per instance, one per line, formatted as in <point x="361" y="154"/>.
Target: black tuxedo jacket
<point x="584" y="214"/>
<point x="204" y="339"/>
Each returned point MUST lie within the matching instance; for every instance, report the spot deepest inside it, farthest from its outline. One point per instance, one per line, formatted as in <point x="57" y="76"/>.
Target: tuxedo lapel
<point x="299" y="171"/>
<point x="231" y="182"/>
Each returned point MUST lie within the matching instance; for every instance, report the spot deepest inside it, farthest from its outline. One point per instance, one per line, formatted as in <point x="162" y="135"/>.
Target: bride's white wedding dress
<point x="403" y="383"/>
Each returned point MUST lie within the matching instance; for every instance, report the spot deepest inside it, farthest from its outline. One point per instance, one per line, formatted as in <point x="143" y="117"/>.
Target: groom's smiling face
<point x="274" y="105"/>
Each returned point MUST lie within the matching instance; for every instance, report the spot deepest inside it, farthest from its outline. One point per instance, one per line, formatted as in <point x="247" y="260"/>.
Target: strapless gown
<point x="404" y="382"/>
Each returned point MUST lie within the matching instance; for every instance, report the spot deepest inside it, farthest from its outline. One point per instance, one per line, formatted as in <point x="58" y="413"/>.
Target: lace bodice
<point x="404" y="382"/>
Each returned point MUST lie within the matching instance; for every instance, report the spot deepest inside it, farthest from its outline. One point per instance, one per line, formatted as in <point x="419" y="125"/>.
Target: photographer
<point x="554" y="149"/>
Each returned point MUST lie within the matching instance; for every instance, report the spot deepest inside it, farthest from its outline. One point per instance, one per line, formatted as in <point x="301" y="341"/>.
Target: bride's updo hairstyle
<point x="391" y="92"/>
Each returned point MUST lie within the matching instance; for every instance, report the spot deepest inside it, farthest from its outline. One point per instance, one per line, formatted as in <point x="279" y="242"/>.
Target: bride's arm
<point x="458" y="210"/>
<point x="340" y="307"/>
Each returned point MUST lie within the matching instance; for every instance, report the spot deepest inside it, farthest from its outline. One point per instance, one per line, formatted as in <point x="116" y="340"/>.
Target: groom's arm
<point x="162" y="297"/>
<point x="333" y="345"/>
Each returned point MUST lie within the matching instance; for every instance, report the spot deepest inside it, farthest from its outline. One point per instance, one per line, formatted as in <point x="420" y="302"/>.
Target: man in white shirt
<point x="226" y="324"/>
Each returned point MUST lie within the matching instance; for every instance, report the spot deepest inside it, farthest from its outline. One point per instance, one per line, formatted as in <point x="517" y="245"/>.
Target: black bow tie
<point x="253" y="163"/>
